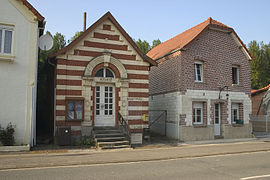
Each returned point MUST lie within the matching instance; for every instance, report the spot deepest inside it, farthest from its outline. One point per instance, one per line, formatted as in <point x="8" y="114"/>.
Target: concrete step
<point x="106" y="128"/>
<point x="109" y="139"/>
<point x="109" y="135"/>
<point x="107" y="131"/>
<point x="112" y="143"/>
<point x="116" y="147"/>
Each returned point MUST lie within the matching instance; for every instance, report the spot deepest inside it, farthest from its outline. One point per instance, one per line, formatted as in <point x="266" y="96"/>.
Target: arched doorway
<point x="104" y="100"/>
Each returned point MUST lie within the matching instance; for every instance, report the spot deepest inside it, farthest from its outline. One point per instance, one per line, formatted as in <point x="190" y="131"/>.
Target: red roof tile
<point x="183" y="39"/>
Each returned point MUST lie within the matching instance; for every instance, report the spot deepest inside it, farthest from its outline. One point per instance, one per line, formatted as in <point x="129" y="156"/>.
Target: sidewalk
<point x="30" y="160"/>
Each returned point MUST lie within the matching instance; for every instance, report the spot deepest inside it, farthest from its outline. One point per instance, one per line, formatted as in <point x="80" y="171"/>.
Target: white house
<point x="20" y="27"/>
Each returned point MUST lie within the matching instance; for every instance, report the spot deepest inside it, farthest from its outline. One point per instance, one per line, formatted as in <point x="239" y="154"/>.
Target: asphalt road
<point x="228" y="166"/>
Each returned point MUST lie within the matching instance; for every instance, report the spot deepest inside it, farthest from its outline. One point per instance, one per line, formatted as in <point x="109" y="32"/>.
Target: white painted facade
<point x="18" y="71"/>
<point x="176" y="104"/>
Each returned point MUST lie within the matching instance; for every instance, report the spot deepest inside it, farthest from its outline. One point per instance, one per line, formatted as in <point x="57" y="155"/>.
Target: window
<point x="104" y="72"/>
<point x="75" y="109"/>
<point x="198" y="113"/>
<point x="235" y="112"/>
<point x="235" y="75"/>
<point x="6" y="33"/>
<point x="198" y="72"/>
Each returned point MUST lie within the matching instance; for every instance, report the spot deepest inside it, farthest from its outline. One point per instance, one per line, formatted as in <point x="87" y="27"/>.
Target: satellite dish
<point x="45" y="42"/>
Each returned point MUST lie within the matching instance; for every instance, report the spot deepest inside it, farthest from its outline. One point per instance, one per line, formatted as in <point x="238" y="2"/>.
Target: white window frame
<point x="104" y="73"/>
<point x="237" y="74"/>
<point x="197" y="106"/>
<point x="196" y="71"/>
<point x="6" y="28"/>
<point x="235" y="106"/>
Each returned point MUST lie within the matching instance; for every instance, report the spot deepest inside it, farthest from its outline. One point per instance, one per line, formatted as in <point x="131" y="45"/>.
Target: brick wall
<point x="72" y="66"/>
<point x="218" y="52"/>
<point x="256" y="101"/>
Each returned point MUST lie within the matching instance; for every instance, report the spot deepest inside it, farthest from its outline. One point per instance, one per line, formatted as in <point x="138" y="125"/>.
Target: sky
<point x="159" y="19"/>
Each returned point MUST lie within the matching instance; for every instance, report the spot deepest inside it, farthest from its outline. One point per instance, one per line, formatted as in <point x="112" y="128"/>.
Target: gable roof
<point x="109" y="16"/>
<point x="33" y="10"/>
<point x="186" y="37"/>
<point x="258" y="91"/>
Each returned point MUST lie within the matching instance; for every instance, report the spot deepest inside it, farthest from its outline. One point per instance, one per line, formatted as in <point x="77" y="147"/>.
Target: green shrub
<point x="85" y="141"/>
<point x="7" y="135"/>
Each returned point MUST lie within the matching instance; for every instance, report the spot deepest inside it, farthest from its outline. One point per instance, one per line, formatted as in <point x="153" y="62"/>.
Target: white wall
<point x="201" y="95"/>
<point x="172" y="103"/>
<point x="177" y="104"/>
<point x="18" y="78"/>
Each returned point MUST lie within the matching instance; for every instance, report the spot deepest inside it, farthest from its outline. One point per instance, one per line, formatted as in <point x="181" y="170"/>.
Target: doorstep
<point x="14" y="148"/>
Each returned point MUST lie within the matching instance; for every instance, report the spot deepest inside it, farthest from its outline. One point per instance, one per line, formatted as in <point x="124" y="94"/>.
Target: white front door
<point x="217" y="120"/>
<point x="104" y="106"/>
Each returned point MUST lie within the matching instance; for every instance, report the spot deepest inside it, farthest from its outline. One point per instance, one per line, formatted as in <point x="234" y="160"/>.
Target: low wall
<point x="191" y="133"/>
<point x="238" y="131"/>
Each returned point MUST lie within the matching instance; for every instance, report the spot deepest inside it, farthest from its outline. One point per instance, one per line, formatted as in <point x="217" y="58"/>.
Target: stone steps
<point x="110" y="138"/>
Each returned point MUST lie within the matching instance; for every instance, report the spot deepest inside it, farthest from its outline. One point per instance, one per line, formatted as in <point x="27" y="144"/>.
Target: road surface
<point x="244" y="166"/>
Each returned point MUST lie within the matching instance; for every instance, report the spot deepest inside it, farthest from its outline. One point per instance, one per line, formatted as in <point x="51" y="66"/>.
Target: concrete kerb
<point x="14" y="148"/>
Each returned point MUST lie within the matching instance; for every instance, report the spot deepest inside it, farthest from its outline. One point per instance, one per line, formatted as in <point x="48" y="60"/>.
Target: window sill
<point x="199" y="82"/>
<point x="199" y="125"/>
<point x="7" y="58"/>
<point x="236" y="85"/>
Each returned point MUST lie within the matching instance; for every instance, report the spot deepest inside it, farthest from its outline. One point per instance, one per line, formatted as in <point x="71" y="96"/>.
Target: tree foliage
<point x="77" y="34"/>
<point x="260" y="67"/>
<point x="145" y="46"/>
<point x="155" y="43"/>
<point x="45" y="86"/>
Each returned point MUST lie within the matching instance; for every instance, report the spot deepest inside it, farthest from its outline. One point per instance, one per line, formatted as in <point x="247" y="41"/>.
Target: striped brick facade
<point x="104" y="46"/>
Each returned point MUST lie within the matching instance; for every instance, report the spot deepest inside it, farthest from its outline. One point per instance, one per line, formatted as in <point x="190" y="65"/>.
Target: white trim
<point x="237" y="74"/>
<point x="235" y="106"/>
<point x="5" y="28"/>
<point x="195" y="71"/>
<point x="198" y="106"/>
<point x="68" y="87"/>
<point x="240" y="45"/>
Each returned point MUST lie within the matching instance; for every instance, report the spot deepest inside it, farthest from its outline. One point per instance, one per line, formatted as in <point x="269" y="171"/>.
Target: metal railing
<point x="125" y="126"/>
<point x="158" y="121"/>
<point x="260" y="124"/>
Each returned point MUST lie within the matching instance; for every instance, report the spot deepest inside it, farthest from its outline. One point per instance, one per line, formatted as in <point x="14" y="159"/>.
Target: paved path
<point x="243" y="166"/>
<point x="30" y="160"/>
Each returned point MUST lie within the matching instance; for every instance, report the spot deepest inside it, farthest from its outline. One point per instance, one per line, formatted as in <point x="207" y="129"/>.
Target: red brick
<point x="107" y="27"/>
<point x="138" y="76"/>
<point x="68" y="82"/>
<point x="138" y="94"/>
<point x="139" y="85"/>
<point x="69" y="72"/>
<point x="138" y="103"/>
<point x="68" y="92"/>
<point x="136" y="112"/>
<point x="105" y="45"/>
<point x="106" y="36"/>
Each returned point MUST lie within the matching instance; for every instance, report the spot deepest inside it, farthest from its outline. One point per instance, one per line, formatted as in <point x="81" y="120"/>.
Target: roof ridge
<point x="183" y="39"/>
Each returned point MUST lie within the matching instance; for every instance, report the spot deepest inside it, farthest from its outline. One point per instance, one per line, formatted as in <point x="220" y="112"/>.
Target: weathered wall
<point x="218" y="52"/>
<point x="171" y="102"/>
<point x="18" y="76"/>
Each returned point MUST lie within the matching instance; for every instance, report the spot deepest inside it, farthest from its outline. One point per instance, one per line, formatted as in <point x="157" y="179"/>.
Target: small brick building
<point x="260" y="101"/>
<point x="98" y="75"/>
<point x="203" y="81"/>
